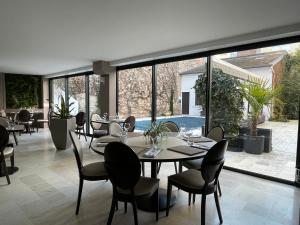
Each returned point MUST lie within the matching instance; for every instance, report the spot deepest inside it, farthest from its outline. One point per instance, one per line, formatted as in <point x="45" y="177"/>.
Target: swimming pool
<point x="189" y="122"/>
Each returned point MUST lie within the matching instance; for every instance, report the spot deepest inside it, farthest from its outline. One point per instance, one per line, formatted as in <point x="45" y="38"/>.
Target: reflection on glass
<point x="76" y="87"/>
<point x="58" y="89"/>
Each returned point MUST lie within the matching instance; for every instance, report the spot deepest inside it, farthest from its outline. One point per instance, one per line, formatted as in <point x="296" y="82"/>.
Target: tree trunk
<point x="254" y="126"/>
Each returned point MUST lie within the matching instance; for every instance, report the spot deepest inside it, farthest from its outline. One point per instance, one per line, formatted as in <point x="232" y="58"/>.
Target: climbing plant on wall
<point x="226" y="100"/>
<point x="23" y="91"/>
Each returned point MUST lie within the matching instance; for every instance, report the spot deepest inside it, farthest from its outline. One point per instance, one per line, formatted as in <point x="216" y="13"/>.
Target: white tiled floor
<point x="44" y="191"/>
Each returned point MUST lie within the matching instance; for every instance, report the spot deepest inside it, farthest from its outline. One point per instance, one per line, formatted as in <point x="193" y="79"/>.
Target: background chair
<point x="216" y="134"/>
<point x="175" y="129"/>
<point x="80" y="122"/>
<point x="41" y="120"/>
<point x="131" y="121"/>
<point x="91" y="172"/>
<point x="6" y="151"/>
<point x="124" y="169"/>
<point x="24" y="118"/>
<point x="202" y="182"/>
<point x="97" y="127"/>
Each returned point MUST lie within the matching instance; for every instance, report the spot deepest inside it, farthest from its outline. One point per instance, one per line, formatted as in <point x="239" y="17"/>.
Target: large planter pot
<point x="254" y="144"/>
<point x="59" y="129"/>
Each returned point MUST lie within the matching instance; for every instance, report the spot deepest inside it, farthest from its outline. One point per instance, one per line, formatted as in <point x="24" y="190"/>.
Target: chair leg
<point x="157" y="204"/>
<point x="203" y="205"/>
<point x="125" y="207"/>
<point x="194" y="198"/>
<point x="79" y="195"/>
<point x="91" y="141"/>
<point x="175" y="165"/>
<point x="218" y="207"/>
<point x="219" y="188"/>
<point x="143" y="169"/>
<point x="134" y="212"/>
<point x="112" y="210"/>
<point x="6" y="172"/>
<point x="190" y="197"/>
<point x="169" y="191"/>
<point x="29" y="128"/>
<point x="158" y="168"/>
<point x="12" y="160"/>
<point x="180" y="167"/>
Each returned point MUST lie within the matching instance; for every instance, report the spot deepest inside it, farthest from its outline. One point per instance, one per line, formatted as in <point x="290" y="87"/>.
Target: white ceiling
<point x="48" y="36"/>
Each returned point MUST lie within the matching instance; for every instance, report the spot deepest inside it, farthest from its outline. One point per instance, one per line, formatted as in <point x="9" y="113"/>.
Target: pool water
<point x="188" y="122"/>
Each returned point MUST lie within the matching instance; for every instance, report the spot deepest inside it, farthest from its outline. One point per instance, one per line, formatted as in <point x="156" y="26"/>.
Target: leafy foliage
<point x="290" y="93"/>
<point x="63" y="111"/>
<point x="156" y="129"/>
<point x="226" y="100"/>
<point x="258" y="94"/>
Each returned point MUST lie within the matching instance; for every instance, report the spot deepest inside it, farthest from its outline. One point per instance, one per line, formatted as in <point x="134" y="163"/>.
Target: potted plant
<point x="156" y="132"/>
<point x="258" y="94"/>
<point x="60" y="125"/>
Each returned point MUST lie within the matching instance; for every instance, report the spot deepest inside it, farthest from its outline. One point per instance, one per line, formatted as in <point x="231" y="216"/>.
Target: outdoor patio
<point x="278" y="163"/>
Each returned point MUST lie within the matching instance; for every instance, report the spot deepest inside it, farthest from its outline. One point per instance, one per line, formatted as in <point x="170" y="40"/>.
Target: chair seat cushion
<point x="8" y="151"/>
<point x="94" y="171"/>
<point x="42" y="121"/>
<point x="99" y="133"/>
<point x="146" y="186"/>
<point x="193" y="164"/>
<point x="190" y="181"/>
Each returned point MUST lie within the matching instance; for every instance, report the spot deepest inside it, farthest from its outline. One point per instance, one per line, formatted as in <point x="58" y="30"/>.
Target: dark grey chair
<point x="80" y="123"/>
<point x="131" y="121"/>
<point x="6" y="151"/>
<point x="216" y="134"/>
<point x="124" y="171"/>
<point x="24" y="118"/>
<point x="91" y="172"/>
<point x="204" y="181"/>
<point x="97" y="127"/>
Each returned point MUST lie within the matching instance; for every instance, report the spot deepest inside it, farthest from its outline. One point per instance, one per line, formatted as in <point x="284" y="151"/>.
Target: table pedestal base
<point x="148" y="204"/>
<point x="10" y="170"/>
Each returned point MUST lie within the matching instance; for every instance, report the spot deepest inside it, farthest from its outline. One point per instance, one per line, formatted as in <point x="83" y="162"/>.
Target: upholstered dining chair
<point x="97" y="127"/>
<point x="80" y="123"/>
<point x="124" y="171"/>
<point x="24" y="118"/>
<point x="131" y="121"/>
<point x="115" y="129"/>
<point x="216" y="134"/>
<point x="91" y="172"/>
<point x="173" y="127"/>
<point x="204" y="181"/>
<point x="6" y="151"/>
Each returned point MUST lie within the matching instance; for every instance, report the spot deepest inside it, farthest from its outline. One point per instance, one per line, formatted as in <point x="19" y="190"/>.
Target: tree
<point x="226" y="100"/>
<point x="290" y="93"/>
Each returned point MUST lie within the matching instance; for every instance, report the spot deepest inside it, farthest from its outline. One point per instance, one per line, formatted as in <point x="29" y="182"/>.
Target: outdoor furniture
<point x="216" y="134"/>
<point x="91" y="172"/>
<point x="124" y="171"/>
<point x="80" y="123"/>
<point x="137" y="142"/>
<point x="24" y="118"/>
<point x="204" y="182"/>
<point x="175" y="129"/>
<point x="6" y="151"/>
<point x="131" y="121"/>
<point x="96" y="126"/>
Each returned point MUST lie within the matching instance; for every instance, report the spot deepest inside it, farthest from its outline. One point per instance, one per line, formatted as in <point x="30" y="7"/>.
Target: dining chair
<point x="115" y="129"/>
<point x="124" y="171"/>
<point x="131" y="121"/>
<point x="6" y="151"/>
<point x="173" y="127"/>
<point x="41" y="120"/>
<point x="91" y="172"/>
<point x="216" y="134"/>
<point x="204" y="181"/>
<point x="24" y="118"/>
<point x="80" y="123"/>
<point x="97" y="127"/>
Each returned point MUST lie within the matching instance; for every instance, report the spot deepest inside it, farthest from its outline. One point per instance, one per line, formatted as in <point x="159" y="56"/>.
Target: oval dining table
<point x="139" y="145"/>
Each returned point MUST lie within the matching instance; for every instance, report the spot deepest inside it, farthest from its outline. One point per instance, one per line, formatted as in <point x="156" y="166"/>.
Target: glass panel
<point x="94" y="95"/>
<point x="181" y="91"/>
<point x="58" y="89"/>
<point x="255" y="96"/>
<point x="76" y="86"/>
<point x="135" y="95"/>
